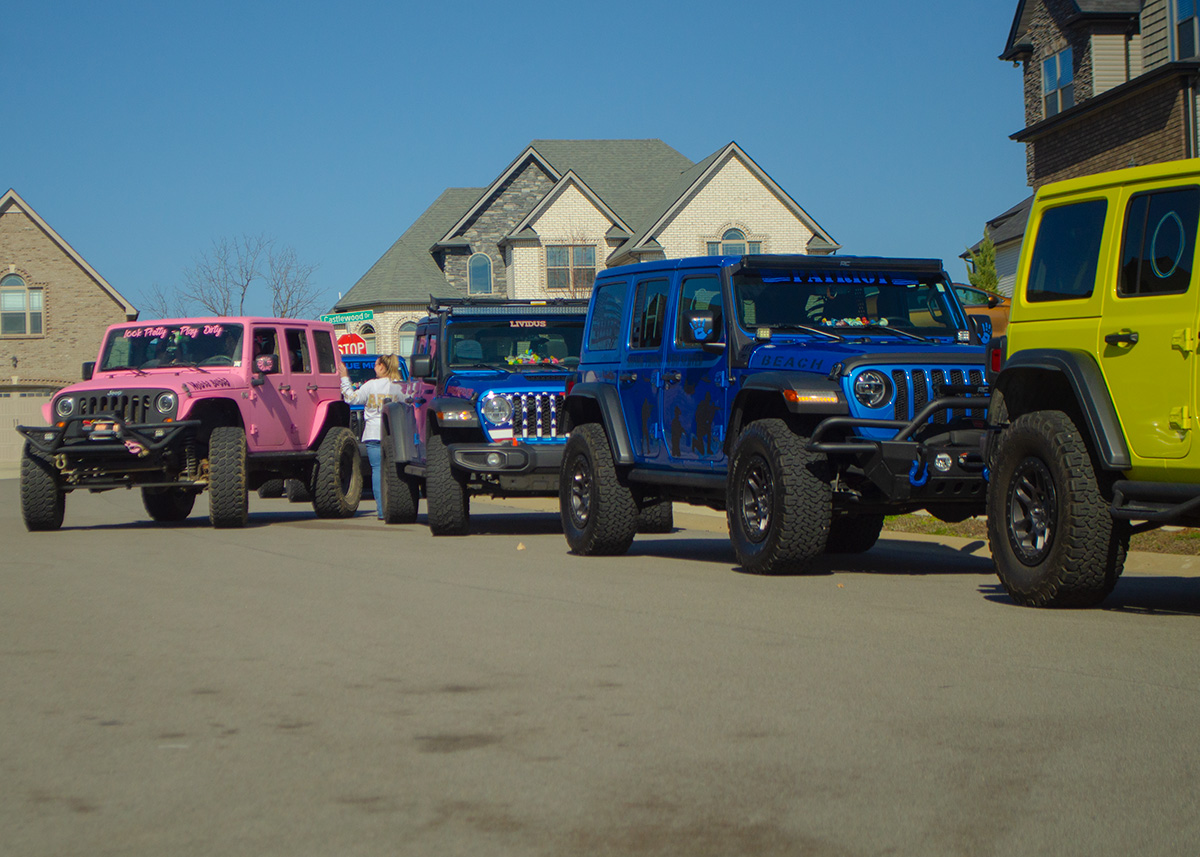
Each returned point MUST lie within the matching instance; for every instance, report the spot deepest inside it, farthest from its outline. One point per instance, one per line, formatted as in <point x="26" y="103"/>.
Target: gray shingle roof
<point x="407" y="272"/>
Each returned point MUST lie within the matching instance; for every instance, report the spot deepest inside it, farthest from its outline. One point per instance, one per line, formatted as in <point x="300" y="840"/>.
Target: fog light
<point x="494" y="459"/>
<point x="942" y="462"/>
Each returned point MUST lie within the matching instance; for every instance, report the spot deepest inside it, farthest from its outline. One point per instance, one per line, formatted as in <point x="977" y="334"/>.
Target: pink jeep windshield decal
<point x="158" y="345"/>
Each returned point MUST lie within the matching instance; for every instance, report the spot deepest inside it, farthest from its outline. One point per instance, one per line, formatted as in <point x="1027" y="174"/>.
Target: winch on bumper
<point x="947" y="468"/>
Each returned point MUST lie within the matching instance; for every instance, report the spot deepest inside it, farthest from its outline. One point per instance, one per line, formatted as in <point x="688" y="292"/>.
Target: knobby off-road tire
<point x="271" y="488"/>
<point x="296" y="491"/>
<point x="1049" y="528"/>
<point x="854" y="533"/>
<point x="168" y="505"/>
<point x="227" y="503"/>
<point x="447" y="502"/>
<point x="599" y="513"/>
<point x="337" y="480"/>
<point x="401" y="492"/>
<point x="778" y="501"/>
<point x="656" y="517"/>
<point x="43" y="502"/>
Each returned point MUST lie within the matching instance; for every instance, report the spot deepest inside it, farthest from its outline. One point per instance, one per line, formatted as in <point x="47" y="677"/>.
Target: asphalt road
<point x="308" y="687"/>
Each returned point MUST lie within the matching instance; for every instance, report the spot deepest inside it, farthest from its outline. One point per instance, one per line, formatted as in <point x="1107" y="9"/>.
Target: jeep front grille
<point x="537" y="416"/>
<point x="915" y="387"/>
<point x="130" y="408"/>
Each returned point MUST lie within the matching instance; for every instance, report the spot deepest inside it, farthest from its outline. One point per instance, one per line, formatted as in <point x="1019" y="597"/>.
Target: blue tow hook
<point x="920" y="467"/>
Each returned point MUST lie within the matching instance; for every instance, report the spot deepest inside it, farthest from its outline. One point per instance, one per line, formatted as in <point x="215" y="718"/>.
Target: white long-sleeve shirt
<point x="371" y="395"/>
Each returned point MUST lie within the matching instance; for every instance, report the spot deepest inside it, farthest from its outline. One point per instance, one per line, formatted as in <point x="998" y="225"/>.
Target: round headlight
<point x="497" y="410"/>
<point x="65" y="406"/>
<point x="873" y="389"/>
<point x="166" y="403"/>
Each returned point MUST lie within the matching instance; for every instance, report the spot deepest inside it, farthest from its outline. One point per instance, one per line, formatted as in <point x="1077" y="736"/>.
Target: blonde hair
<point x="391" y="364"/>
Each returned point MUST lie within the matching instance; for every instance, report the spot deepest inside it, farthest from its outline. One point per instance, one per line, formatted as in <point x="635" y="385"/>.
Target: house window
<point x="1058" y="83"/>
<point x="20" y="307"/>
<point x="571" y="267"/>
<point x="1185" y="30"/>
<point x="408" y="333"/>
<point x="733" y="243"/>
<point x="367" y="332"/>
<point x="479" y="275"/>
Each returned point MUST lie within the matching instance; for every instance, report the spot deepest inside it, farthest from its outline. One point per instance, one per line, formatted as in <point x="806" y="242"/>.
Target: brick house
<point x="1107" y="84"/>
<point x="54" y="308"/>
<point x="563" y="209"/>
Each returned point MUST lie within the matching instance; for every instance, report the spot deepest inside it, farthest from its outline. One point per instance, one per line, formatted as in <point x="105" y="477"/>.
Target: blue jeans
<point x="374" y="455"/>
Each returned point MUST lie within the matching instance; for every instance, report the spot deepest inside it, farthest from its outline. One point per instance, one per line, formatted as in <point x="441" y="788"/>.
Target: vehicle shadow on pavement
<point x="1146" y="594"/>
<point x="889" y="556"/>
<point x="524" y="524"/>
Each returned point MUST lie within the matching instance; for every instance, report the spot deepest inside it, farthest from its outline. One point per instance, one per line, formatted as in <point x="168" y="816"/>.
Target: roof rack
<point x="505" y="306"/>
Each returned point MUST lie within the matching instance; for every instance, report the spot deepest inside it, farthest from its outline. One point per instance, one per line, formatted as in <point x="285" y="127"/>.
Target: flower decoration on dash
<point x="528" y="357"/>
<point x="862" y="321"/>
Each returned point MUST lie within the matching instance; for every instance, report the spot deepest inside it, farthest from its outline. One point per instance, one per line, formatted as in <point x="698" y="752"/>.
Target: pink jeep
<point x="177" y="406"/>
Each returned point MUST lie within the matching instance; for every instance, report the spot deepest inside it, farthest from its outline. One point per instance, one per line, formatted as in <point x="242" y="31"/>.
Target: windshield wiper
<point x="123" y="369"/>
<point x="889" y="329"/>
<point x="808" y="329"/>
<point x="491" y="366"/>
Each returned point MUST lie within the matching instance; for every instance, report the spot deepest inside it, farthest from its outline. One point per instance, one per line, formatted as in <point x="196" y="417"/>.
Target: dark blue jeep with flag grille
<point x="482" y="410"/>
<point x="807" y="396"/>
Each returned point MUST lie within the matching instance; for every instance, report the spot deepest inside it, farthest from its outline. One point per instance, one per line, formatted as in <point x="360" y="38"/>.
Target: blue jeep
<point x="807" y="396"/>
<point x="482" y="412"/>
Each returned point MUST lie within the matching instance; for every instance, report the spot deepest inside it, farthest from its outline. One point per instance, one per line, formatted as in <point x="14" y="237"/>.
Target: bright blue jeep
<point x="807" y="396"/>
<point x="482" y="413"/>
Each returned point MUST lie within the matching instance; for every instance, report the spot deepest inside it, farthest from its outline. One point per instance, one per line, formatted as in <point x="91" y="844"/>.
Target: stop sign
<point x="352" y="343"/>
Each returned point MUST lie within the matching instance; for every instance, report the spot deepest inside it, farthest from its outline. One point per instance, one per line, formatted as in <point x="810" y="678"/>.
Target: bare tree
<point x="290" y="283"/>
<point x="225" y="275"/>
<point x="160" y="302"/>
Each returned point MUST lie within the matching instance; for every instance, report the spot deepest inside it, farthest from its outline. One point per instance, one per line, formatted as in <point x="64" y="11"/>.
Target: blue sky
<point x="143" y="131"/>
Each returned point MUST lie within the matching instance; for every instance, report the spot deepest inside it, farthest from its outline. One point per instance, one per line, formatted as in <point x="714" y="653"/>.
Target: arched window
<point x="479" y="275"/>
<point x="733" y="243"/>
<point x="367" y="332"/>
<point x="407" y="333"/>
<point x="20" y="307"/>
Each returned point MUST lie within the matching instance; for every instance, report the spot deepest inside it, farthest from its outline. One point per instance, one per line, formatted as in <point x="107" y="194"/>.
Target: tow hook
<point x="918" y="474"/>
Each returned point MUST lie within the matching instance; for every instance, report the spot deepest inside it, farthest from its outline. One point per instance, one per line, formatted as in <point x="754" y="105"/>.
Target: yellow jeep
<point x="1094" y="407"/>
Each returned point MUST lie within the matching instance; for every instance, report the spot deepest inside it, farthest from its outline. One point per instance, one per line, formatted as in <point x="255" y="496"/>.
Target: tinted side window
<point x="698" y="294"/>
<point x="297" y="346"/>
<point x="649" y="314"/>
<point x="1067" y="252"/>
<point x="1160" y="242"/>
<point x="608" y="308"/>
<point x="323" y="343"/>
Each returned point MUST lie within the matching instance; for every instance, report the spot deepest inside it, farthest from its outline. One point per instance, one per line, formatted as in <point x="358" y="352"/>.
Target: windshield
<point x="155" y="345"/>
<point x="838" y="299"/>
<point x="511" y="342"/>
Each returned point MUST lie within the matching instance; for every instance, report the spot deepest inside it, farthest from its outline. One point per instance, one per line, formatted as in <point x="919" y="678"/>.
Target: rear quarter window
<point x="1066" y="253"/>
<point x="608" y="308"/>
<point x="1159" y="245"/>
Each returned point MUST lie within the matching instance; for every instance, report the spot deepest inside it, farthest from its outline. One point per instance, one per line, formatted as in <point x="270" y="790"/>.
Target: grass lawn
<point x="1176" y="540"/>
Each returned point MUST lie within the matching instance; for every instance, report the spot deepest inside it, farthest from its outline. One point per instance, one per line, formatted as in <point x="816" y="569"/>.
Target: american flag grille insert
<point x="129" y="408"/>
<point x="914" y="389"/>
<point x="537" y="416"/>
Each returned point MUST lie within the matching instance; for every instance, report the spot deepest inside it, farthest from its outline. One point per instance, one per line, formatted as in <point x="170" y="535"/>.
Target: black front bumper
<point x="908" y="472"/>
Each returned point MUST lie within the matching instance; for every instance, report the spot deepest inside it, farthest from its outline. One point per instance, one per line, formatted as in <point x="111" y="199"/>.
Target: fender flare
<point x="331" y="412"/>
<point x="399" y="428"/>
<point x="1083" y="374"/>
<point x="608" y="400"/>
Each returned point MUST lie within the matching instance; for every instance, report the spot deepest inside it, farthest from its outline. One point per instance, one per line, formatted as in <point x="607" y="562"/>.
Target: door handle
<point x="285" y="388"/>
<point x="1125" y="337"/>
<point x="312" y="388"/>
<point x="626" y="377"/>
<point x="672" y="377"/>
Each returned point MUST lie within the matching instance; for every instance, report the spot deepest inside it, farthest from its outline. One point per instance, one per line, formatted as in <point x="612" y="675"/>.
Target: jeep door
<point x="300" y="385"/>
<point x="640" y="375"/>
<point x="693" y="386"/>
<point x="420" y="392"/>
<point x="269" y="407"/>
<point x="1148" y="332"/>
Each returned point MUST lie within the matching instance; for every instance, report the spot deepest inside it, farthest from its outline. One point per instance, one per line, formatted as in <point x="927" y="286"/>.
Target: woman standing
<point x="372" y="395"/>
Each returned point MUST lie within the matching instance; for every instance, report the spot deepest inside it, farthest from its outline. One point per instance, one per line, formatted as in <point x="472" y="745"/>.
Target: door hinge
<point x="1182" y="339"/>
<point x="1181" y="419"/>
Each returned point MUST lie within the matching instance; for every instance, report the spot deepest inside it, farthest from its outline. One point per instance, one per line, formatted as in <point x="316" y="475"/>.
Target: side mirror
<point x="89" y="369"/>
<point x="421" y="366"/>
<point x="993" y="301"/>
<point x="981" y="328"/>
<point x="266" y="364"/>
